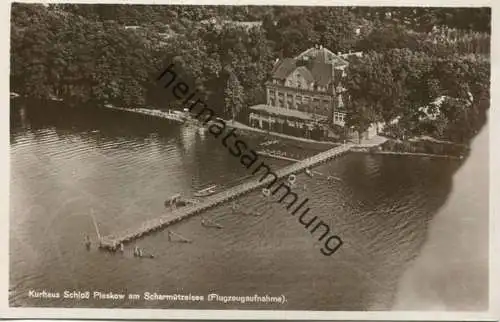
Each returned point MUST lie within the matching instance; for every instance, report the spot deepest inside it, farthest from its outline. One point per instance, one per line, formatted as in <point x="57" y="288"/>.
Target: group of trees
<point x="84" y="53"/>
<point x="56" y="53"/>
<point x="400" y="85"/>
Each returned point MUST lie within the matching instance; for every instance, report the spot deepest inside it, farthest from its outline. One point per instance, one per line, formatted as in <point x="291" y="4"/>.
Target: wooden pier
<point x="169" y="115"/>
<point x="275" y="156"/>
<point x="112" y="242"/>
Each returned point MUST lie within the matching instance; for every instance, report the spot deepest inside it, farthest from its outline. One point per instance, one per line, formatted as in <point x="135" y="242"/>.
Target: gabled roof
<point x="318" y="61"/>
<point x="308" y="76"/>
<point x="322" y="72"/>
<point x="284" y="68"/>
<point x="318" y="72"/>
<point x="322" y="54"/>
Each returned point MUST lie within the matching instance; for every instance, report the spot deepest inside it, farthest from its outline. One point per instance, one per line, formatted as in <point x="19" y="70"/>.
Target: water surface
<point x="67" y="163"/>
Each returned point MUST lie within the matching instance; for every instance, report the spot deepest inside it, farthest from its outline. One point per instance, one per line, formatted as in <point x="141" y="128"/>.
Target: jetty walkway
<point x="112" y="242"/>
<point x="170" y="115"/>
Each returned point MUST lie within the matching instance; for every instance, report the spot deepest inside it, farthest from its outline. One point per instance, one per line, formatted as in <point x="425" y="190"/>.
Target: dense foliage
<point x="97" y="53"/>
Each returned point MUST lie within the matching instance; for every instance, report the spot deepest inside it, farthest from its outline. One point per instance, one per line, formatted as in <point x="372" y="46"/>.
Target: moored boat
<point x="206" y="192"/>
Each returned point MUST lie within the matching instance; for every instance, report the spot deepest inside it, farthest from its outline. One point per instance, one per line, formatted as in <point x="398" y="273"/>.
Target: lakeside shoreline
<point x="415" y="154"/>
<point x="365" y="147"/>
<point x="389" y="146"/>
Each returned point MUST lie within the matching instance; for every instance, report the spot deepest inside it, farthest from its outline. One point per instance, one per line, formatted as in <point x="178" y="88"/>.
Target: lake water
<point x="451" y="271"/>
<point x="68" y="162"/>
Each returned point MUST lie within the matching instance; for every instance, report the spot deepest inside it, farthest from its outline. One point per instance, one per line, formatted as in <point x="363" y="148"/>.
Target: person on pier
<point x="87" y="241"/>
<point x="235" y="206"/>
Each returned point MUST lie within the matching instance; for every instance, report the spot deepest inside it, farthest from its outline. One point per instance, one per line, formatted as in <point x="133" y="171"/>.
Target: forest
<point x="102" y="53"/>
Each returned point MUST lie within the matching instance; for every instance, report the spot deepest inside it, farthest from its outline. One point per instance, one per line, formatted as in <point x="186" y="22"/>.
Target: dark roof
<point x="284" y="68"/>
<point x="320" y="63"/>
<point x="315" y="71"/>
<point x="322" y="72"/>
<point x="324" y="55"/>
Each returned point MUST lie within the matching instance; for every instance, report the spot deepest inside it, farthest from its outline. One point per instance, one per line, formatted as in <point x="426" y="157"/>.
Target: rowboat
<point x="206" y="192"/>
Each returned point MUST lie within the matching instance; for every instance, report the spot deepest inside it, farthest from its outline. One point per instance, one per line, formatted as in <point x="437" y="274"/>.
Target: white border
<point x="46" y="313"/>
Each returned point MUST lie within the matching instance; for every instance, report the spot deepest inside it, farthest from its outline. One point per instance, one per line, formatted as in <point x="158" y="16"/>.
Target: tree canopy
<point x="111" y="53"/>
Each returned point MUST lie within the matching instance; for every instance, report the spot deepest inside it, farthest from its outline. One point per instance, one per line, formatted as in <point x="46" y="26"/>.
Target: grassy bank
<point x="426" y="147"/>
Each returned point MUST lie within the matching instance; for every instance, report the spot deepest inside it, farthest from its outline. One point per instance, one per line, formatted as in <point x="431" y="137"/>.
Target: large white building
<point x="304" y="94"/>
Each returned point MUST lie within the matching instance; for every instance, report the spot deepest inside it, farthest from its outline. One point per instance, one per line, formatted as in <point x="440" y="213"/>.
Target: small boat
<point x="180" y="238"/>
<point x="55" y="98"/>
<point x="269" y="142"/>
<point x="206" y="192"/>
<point x="210" y="224"/>
<point x="250" y="213"/>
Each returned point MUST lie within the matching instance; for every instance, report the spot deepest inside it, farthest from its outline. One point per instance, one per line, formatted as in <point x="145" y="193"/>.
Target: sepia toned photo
<point x="249" y="157"/>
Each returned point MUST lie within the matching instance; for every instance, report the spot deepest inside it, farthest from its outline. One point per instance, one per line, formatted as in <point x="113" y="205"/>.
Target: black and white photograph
<point x="249" y="157"/>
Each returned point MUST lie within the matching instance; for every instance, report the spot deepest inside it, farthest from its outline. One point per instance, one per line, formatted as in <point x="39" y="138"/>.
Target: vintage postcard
<point x="248" y="160"/>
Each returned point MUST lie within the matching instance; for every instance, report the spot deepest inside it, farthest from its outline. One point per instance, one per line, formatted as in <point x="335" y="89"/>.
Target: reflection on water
<point x="452" y="271"/>
<point x="66" y="163"/>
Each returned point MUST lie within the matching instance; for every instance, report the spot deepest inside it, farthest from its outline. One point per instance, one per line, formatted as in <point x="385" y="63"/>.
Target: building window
<point x="281" y="100"/>
<point x="338" y="117"/>
<point x="340" y="101"/>
<point x="289" y="101"/>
